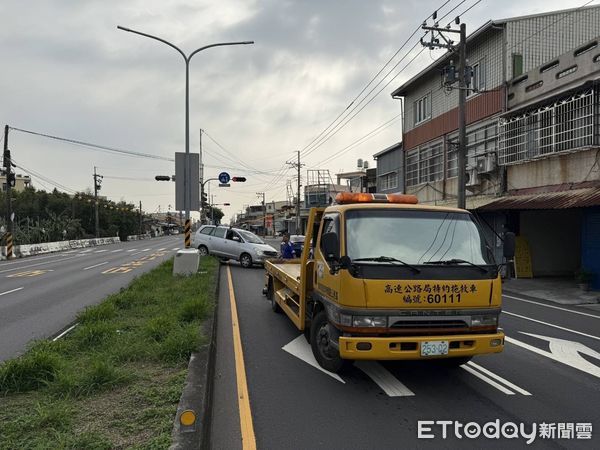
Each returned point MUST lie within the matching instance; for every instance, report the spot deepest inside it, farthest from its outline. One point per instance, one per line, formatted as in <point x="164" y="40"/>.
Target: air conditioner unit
<point x="486" y="164"/>
<point x="473" y="178"/>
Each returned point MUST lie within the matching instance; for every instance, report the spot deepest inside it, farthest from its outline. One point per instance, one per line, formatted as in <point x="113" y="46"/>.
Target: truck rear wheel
<point x="326" y="354"/>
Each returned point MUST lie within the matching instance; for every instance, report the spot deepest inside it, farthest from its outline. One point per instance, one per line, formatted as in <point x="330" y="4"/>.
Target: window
<point x="388" y="181"/>
<point x="422" y="109"/>
<point x="206" y="230"/>
<point x="478" y="78"/>
<point x="517" y="65"/>
<point x="424" y="164"/>
<point x="219" y="232"/>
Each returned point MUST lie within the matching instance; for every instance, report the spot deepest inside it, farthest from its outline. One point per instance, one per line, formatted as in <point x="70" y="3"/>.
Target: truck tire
<point x="326" y="355"/>
<point x="203" y="250"/>
<point x="271" y="296"/>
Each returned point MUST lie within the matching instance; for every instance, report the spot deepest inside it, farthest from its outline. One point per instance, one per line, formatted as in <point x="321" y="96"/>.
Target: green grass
<point x="116" y="379"/>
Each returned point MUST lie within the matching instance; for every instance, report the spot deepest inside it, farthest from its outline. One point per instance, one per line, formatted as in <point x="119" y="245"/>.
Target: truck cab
<point x="390" y="279"/>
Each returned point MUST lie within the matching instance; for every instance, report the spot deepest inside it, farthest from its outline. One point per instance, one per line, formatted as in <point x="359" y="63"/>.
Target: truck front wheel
<point x="327" y="355"/>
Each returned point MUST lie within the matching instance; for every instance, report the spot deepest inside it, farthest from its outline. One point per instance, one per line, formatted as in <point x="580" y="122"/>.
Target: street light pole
<point x="187" y="169"/>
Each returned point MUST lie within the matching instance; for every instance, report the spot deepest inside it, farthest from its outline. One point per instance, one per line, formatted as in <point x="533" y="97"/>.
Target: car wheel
<point x="203" y="250"/>
<point x="326" y="355"/>
<point x="246" y="260"/>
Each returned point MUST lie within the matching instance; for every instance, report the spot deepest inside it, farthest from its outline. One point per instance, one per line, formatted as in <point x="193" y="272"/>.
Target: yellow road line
<point x="247" y="428"/>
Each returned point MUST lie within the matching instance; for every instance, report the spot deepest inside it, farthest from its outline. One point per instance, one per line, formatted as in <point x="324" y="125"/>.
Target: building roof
<point x="576" y="198"/>
<point x="482" y="30"/>
<point x="397" y="145"/>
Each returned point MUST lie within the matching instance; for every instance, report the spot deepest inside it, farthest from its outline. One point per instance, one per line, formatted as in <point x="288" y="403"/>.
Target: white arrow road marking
<point x="13" y="290"/>
<point x="498" y="378"/>
<point x="96" y="265"/>
<point x="551" y="325"/>
<point x="566" y="352"/>
<point x="488" y="380"/>
<point x="301" y="350"/>
<point x="550" y="306"/>
<point x="391" y="385"/>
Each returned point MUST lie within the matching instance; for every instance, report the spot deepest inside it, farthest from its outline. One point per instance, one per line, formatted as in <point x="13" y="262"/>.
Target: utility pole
<point x="9" y="183"/>
<point x="264" y="205"/>
<point x="97" y="183"/>
<point x="202" y="213"/>
<point x="464" y="77"/>
<point x="140" y="217"/>
<point x="298" y="166"/>
<point x="212" y="208"/>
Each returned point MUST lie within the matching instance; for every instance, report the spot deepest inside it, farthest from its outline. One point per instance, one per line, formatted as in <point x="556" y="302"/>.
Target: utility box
<point x="186" y="262"/>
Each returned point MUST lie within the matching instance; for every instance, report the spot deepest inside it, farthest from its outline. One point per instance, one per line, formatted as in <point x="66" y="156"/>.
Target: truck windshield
<point x="415" y="237"/>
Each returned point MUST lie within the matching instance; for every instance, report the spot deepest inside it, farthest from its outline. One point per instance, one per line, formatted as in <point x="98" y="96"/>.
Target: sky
<point x="67" y="71"/>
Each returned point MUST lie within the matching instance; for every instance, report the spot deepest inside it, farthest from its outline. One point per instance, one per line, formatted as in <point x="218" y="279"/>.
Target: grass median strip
<point x="116" y="379"/>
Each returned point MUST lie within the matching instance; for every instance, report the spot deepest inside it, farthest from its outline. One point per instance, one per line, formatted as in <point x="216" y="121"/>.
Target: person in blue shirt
<point x="286" y="248"/>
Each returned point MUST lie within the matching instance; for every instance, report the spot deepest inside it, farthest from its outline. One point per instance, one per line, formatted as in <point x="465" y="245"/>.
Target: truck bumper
<point x="409" y="347"/>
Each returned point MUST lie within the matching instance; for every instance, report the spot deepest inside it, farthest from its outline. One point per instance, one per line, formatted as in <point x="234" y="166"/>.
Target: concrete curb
<point x="198" y="390"/>
<point x="21" y="251"/>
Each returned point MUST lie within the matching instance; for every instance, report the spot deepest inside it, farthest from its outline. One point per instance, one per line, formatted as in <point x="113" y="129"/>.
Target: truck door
<point x="327" y="284"/>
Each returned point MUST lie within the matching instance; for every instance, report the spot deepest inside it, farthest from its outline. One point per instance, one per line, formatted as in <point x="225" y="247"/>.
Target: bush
<point x="179" y="344"/>
<point x="193" y="309"/>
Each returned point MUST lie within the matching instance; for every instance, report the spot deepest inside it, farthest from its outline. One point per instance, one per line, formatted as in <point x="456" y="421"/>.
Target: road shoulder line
<point x="246" y="425"/>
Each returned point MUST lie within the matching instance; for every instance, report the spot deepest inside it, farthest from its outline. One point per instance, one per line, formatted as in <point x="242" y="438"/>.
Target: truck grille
<point x="413" y="324"/>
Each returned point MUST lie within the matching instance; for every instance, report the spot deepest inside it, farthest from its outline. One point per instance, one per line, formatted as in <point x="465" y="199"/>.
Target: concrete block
<point x="186" y="262"/>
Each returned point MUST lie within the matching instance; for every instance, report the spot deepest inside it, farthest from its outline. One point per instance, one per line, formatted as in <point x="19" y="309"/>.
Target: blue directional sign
<point x="224" y="178"/>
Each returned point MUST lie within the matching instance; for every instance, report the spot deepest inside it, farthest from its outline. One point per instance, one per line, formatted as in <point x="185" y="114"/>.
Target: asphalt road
<point x="549" y="377"/>
<point x="41" y="295"/>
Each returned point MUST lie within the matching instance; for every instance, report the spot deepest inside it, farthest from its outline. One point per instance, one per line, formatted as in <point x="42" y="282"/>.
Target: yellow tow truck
<point x="383" y="278"/>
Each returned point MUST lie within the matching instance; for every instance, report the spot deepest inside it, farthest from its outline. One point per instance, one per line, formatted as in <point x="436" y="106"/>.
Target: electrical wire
<point x="95" y="146"/>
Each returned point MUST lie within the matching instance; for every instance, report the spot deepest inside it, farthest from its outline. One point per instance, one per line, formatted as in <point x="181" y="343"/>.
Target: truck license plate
<point x="434" y="348"/>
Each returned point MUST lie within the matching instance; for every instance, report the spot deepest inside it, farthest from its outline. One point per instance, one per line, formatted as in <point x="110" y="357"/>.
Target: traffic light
<point x="162" y="178"/>
<point x="204" y="200"/>
<point x="11" y="179"/>
<point x="238" y="179"/>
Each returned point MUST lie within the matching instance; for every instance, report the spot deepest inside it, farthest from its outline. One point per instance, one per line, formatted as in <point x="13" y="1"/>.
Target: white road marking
<point x="63" y="333"/>
<point x="100" y="251"/>
<point x="86" y="251"/>
<point x="132" y="250"/>
<point x="499" y="378"/>
<point x="13" y="290"/>
<point x="161" y="249"/>
<point x="391" y="385"/>
<point x="175" y="249"/>
<point x="116" y="251"/>
<point x="146" y="250"/>
<point x="301" y="350"/>
<point x="96" y="265"/>
<point x="550" y="306"/>
<point x="551" y="325"/>
<point x="566" y="352"/>
<point x="488" y="380"/>
<point x="38" y="264"/>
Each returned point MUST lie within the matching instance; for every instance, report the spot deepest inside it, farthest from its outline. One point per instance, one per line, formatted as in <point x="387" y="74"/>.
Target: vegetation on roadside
<point x="116" y="379"/>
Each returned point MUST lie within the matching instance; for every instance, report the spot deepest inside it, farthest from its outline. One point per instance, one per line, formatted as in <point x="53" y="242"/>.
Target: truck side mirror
<point x="509" y="245"/>
<point x="331" y="246"/>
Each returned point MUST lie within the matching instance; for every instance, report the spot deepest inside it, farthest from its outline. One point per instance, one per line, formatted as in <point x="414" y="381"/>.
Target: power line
<point x="95" y="146"/>
<point x="324" y="131"/>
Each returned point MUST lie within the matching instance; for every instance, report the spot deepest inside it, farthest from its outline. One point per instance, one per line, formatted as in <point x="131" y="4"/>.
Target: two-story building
<point x="532" y="136"/>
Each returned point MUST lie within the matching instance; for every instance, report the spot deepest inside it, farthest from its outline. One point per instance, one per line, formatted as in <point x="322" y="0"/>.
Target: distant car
<point x="297" y="241"/>
<point x="232" y="243"/>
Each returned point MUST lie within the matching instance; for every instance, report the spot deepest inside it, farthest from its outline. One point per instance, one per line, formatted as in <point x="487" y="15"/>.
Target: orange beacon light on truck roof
<point x="343" y="198"/>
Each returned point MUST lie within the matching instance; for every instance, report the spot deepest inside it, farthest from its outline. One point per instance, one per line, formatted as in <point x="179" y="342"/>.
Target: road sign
<point x="224" y="178"/>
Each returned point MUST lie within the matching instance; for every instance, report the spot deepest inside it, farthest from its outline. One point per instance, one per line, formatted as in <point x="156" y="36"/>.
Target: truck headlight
<point x="484" y="320"/>
<point x="369" y="321"/>
<point x="338" y="317"/>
